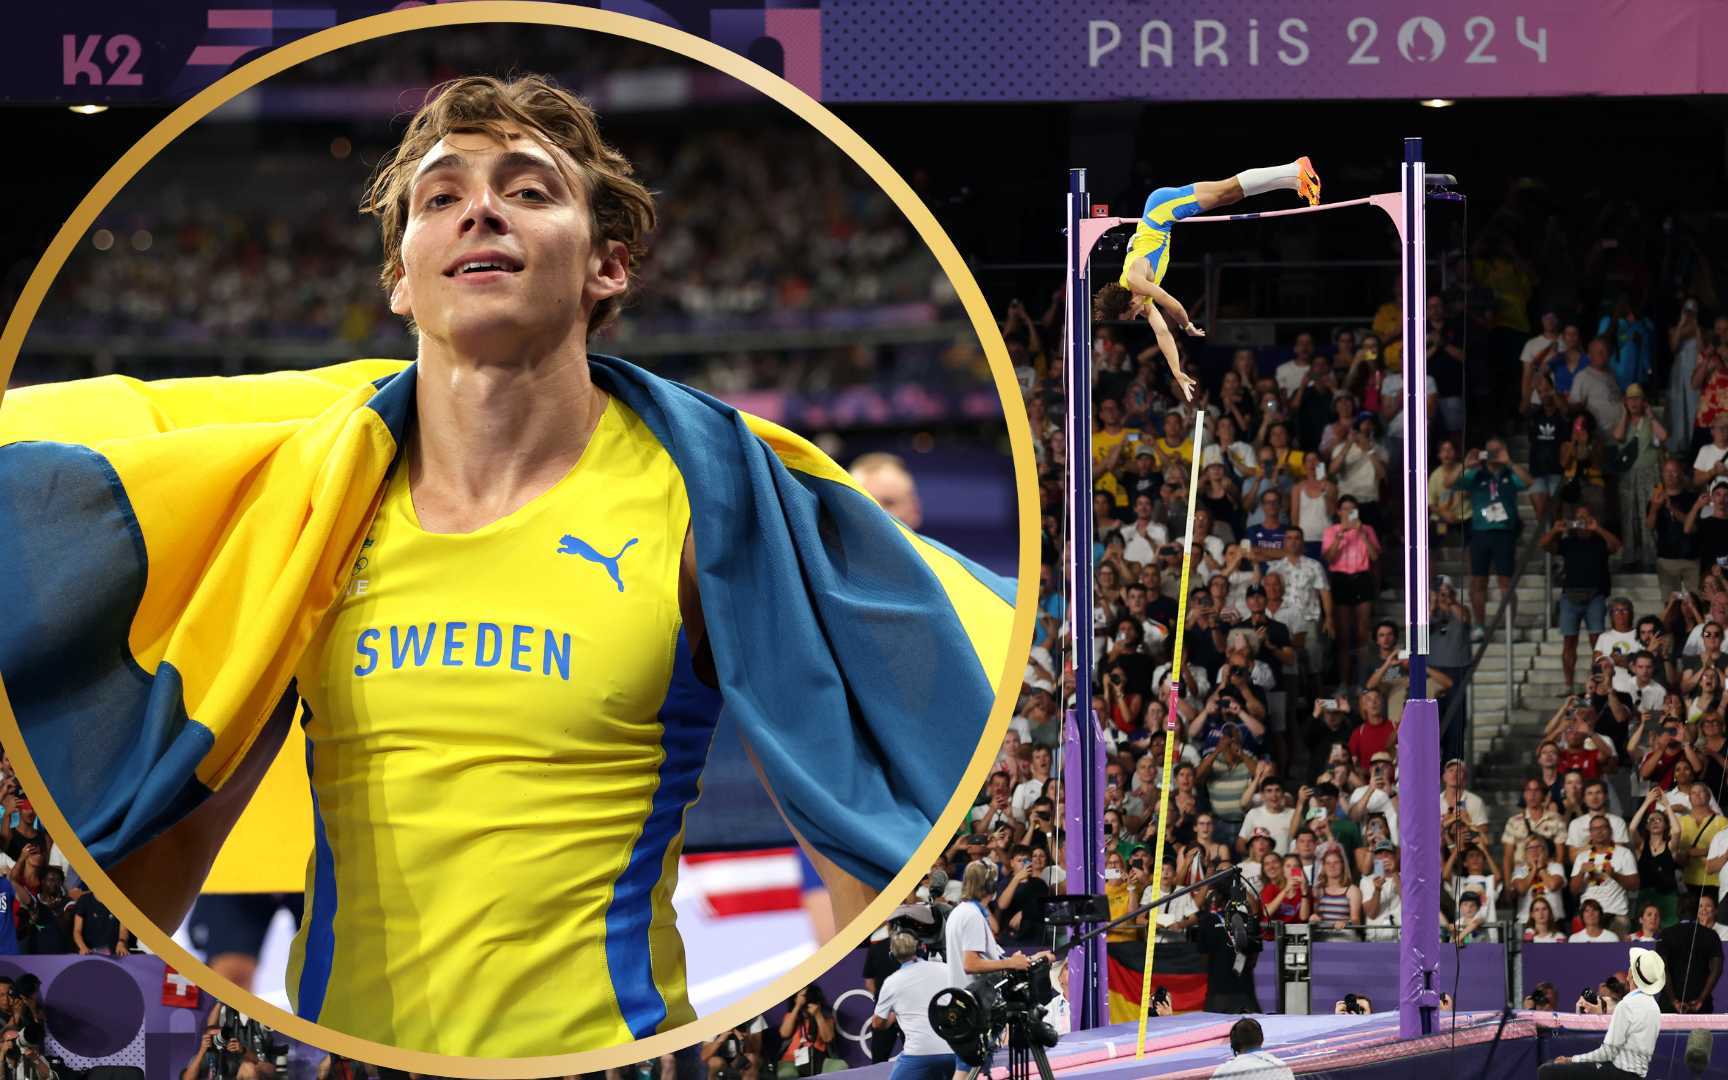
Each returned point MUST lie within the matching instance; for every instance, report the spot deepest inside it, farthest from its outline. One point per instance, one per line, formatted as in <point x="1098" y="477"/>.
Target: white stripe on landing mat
<point x="710" y="994"/>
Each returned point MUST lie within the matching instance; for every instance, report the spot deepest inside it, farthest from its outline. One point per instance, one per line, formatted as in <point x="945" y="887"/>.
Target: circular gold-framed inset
<point x="972" y="299"/>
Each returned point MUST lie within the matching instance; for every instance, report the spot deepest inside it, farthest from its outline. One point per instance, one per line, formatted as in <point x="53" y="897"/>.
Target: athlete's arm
<point x="165" y="875"/>
<point x="1167" y="345"/>
<point x="690" y="607"/>
<point x="1177" y="312"/>
<point x="846" y="894"/>
<point x="1140" y="283"/>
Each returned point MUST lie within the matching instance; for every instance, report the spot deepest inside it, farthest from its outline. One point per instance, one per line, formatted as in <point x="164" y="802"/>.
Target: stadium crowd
<point x="1292" y="686"/>
<point x="44" y="907"/>
<point x="773" y="228"/>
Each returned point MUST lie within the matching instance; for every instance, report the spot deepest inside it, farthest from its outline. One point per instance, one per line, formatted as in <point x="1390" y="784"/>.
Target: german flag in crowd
<point x="1179" y="967"/>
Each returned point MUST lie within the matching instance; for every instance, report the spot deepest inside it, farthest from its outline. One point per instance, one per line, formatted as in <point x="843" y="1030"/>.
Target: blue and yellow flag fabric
<point x="171" y="548"/>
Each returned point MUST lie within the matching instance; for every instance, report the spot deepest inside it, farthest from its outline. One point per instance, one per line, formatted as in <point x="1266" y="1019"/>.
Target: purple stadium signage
<point x="987" y="50"/>
<point x="993" y="50"/>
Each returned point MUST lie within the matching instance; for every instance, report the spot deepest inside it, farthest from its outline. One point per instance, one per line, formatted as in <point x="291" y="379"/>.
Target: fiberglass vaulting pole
<point x="1419" y="730"/>
<point x="1083" y="760"/>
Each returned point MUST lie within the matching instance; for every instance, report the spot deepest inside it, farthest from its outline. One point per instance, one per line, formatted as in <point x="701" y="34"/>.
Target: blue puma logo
<point x="573" y="545"/>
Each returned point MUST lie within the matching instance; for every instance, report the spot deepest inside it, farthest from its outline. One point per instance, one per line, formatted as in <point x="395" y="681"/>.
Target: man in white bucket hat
<point x="1631" y="1040"/>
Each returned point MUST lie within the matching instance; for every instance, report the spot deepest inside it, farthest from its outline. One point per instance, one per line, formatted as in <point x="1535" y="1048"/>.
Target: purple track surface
<point x="1190" y="1046"/>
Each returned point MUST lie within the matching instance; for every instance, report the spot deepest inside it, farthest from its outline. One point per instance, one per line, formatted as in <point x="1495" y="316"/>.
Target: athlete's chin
<point x="504" y="335"/>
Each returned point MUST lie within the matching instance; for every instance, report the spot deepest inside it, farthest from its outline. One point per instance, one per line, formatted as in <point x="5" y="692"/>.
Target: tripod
<point x="1024" y="1051"/>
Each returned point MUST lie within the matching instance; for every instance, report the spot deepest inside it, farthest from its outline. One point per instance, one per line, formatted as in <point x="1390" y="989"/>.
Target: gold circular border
<point x="1007" y="386"/>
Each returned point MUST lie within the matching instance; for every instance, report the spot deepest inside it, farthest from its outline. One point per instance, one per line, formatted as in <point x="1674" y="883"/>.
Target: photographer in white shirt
<point x="905" y="999"/>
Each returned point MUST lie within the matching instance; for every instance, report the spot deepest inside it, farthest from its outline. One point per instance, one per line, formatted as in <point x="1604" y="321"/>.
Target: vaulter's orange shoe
<point x="1307" y="181"/>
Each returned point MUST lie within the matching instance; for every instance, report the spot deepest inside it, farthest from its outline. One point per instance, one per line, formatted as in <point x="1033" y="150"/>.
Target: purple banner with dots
<point x="985" y="50"/>
<point x="132" y="1012"/>
<point x="1030" y="50"/>
<point x="102" y="1011"/>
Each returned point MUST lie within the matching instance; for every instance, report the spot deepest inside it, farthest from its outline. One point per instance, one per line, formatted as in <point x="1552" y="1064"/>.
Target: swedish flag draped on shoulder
<point x="171" y="548"/>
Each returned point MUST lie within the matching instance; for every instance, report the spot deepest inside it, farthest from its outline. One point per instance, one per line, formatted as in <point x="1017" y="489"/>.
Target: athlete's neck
<point x="491" y="436"/>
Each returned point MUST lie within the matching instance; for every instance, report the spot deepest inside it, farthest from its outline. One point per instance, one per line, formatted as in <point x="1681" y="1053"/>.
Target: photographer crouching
<point x="970" y="945"/>
<point x="905" y="1000"/>
<point x="736" y="1054"/>
<point x="236" y="1047"/>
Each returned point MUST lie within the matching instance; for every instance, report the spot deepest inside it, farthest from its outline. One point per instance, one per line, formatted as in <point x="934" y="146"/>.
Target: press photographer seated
<point x="1540" y="998"/>
<point x="736" y="1053"/>
<point x="808" y="1031"/>
<point x="1602" y="998"/>
<point x="235" y="1047"/>
<point x="21" y="1053"/>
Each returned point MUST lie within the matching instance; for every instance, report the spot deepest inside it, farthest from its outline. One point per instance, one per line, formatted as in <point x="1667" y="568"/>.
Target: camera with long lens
<point x="222" y="1063"/>
<point x="1242" y="925"/>
<point x="253" y="1038"/>
<point x="265" y="1046"/>
<point x="970" y="1020"/>
<point x="32" y="1038"/>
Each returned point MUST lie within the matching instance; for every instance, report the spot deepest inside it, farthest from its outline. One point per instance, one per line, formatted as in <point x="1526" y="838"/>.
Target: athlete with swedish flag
<point x="1140" y="288"/>
<point x="506" y="588"/>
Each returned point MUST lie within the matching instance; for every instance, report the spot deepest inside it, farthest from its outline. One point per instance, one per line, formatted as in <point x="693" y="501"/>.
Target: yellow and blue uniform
<point x="1151" y="241"/>
<point x="181" y="551"/>
<point x="504" y="733"/>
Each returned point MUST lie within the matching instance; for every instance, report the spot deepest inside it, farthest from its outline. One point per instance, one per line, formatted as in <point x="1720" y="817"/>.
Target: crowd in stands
<point x="1292" y="685"/>
<point x="773" y="228"/>
<point x="429" y="57"/>
<point x="44" y="907"/>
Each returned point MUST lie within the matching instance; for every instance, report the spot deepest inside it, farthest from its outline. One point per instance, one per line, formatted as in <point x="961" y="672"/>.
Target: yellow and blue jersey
<point x="182" y="551"/>
<point x="504" y="732"/>
<point x="1151" y="241"/>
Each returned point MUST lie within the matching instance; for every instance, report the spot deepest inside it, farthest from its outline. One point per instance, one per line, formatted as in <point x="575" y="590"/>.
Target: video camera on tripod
<point x="972" y="1020"/>
<point x="923" y="921"/>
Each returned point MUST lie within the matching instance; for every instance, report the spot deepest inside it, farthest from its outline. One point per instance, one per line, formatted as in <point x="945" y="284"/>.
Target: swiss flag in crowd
<point x="745" y="882"/>
<point x="177" y="990"/>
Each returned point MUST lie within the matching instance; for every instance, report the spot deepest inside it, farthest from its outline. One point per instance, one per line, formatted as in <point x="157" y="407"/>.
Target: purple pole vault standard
<point x="1419" y="862"/>
<point x="1419" y="732"/>
<point x="1083" y="757"/>
<point x="1415" y="265"/>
